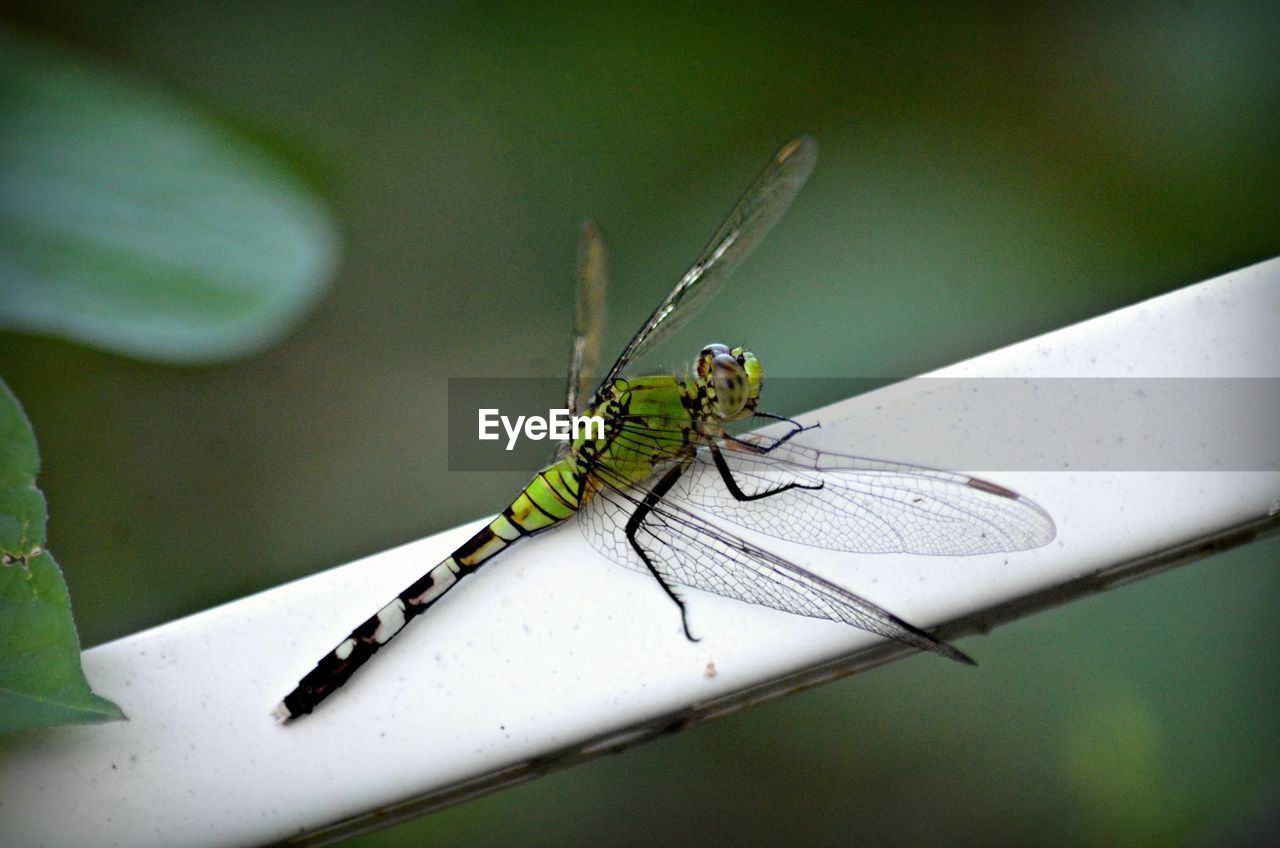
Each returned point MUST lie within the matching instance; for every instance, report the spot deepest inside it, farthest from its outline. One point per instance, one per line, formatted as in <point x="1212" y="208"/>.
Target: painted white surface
<point x="551" y="652"/>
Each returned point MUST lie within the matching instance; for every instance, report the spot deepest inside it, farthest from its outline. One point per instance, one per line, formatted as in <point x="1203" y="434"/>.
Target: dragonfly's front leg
<point x="755" y="447"/>
<point x="734" y="489"/>
<point x="646" y="507"/>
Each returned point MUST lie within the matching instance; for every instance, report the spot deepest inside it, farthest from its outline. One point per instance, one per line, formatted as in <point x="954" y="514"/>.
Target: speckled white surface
<point x="550" y="646"/>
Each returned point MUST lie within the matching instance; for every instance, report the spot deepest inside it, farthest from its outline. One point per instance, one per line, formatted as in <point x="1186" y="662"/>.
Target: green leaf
<point x="41" y="682"/>
<point x="131" y="222"/>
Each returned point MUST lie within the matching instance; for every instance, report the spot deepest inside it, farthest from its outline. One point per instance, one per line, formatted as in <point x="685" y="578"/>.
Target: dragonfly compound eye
<point x="755" y="375"/>
<point x="705" y="358"/>
<point x="729" y="380"/>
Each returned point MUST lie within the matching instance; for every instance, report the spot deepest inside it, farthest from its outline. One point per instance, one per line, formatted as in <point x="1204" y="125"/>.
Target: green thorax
<point x="649" y="421"/>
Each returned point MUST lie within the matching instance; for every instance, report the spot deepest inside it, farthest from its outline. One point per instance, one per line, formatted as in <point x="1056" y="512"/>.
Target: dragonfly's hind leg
<point x="656" y="494"/>
<point x="736" y="490"/>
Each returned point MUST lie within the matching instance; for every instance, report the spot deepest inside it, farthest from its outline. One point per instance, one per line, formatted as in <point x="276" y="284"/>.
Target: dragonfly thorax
<point x="727" y="381"/>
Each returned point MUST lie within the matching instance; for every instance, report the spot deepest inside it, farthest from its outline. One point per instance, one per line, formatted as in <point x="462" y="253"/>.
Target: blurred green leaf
<point x="131" y="222"/>
<point x="41" y="682"/>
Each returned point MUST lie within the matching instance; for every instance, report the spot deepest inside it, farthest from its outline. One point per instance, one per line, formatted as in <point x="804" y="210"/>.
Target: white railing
<point x="550" y="656"/>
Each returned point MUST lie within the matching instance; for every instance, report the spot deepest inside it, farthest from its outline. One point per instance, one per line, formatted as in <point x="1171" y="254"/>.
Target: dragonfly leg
<point x="736" y="490"/>
<point x="656" y="494"/>
<point x="756" y="447"/>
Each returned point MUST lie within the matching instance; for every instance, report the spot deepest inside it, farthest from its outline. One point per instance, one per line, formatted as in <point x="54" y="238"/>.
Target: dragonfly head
<point x="732" y="378"/>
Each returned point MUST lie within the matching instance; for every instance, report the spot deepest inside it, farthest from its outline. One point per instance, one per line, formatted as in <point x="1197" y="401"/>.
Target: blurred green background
<point x="986" y="174"/>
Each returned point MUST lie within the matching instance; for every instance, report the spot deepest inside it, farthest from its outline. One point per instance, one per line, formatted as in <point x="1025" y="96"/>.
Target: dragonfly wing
<point x="688" y="550"/>
<point x="755" y="214"/>
<point x="851" y="503"/>
<point x="588" y="317"/>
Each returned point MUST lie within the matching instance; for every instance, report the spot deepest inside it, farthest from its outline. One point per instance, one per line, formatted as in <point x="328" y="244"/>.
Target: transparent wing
<point x="690" y="551"/>
<point x="861" y="505"/>
<point x="759" y="209"/>
<point x="588" y="317"/>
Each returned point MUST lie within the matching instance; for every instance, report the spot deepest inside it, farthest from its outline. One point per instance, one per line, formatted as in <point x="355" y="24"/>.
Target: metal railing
<point x="551" y="657"/>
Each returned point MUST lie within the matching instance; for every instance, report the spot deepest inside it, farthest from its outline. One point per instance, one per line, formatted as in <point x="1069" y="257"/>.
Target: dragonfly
<point x="681" y="464"/>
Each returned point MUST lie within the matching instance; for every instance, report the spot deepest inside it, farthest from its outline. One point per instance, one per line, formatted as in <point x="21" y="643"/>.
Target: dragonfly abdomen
<point x="553" y="496"/>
